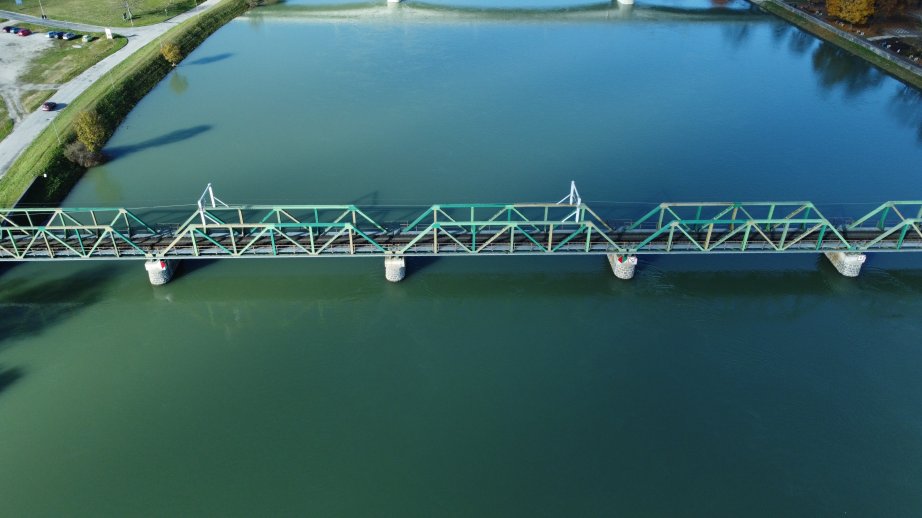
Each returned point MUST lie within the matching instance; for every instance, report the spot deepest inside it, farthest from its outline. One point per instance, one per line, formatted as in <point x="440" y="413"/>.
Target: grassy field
<point x="112" y="97"/>
<point x="107" y="13"/>
<point x="64" y="60"/>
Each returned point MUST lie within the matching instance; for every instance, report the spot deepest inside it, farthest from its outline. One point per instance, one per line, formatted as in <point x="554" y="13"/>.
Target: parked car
<point x="70" y="36"/>
<point x="8" y="28"/>
<point x="49" y="106"/>
<point x="87" y="38"/>
<point x="59" y="35"/>
<point x="24" y="32"/>
<point x="14" y="30"/>
<point x="53" y="34"/>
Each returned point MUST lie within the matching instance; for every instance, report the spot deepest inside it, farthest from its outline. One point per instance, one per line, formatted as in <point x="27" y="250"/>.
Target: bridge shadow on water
<point x="29" y="307"/>
<point x="190" y="266"/>
<point x="8" y="376"/>
<point x="210" y="59"/>
<point x="163" y="140"/>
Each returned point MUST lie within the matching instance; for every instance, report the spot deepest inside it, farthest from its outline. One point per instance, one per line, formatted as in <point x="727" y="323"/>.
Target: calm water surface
<point x="482" y="387"/>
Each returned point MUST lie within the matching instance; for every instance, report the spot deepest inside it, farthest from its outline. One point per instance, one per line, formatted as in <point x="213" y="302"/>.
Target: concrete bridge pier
<point x="622" y="265"/>
<point x="395" y="268"/>
<point x="846" y="263"/>
<point x="160" y="271"/>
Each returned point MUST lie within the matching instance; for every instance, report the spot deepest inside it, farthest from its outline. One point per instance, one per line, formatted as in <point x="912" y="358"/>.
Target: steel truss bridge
<point x="569" y="227"/>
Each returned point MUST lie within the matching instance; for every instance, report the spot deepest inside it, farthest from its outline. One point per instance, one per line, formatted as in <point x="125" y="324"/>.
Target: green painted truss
<point x="570" y="228"/>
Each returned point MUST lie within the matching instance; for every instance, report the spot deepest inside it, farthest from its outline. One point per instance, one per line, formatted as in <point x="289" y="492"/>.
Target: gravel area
<point x="16" y="52"/>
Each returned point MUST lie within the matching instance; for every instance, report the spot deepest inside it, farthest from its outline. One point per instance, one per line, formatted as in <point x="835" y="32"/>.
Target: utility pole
<point x="42" y="7"/>
<point x="130" y="16"/>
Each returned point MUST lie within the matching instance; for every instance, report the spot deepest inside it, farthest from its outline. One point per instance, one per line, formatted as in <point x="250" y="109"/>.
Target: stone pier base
<point x="395" y="269"/>
<point x="848" y="264"/>
<point x="160" y="271"/>
<point x="623" y="265"/>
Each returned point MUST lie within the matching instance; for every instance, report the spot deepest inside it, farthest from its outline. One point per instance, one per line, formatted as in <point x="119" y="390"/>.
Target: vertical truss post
<point x="573" y="199"/>
<point x="208" y="199"/>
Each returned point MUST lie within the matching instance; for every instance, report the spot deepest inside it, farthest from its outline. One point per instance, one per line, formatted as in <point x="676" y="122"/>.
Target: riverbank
<point x="113" y="98"/>
<point x="896" y="67"/>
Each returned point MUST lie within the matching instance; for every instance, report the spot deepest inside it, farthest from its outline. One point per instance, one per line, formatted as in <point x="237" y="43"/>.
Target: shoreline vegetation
<point x="827" y="32"/>
<point x="42" y="175"/>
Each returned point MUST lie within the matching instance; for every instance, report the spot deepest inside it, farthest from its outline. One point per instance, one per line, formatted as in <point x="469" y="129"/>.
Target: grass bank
<point x="113" y="96"/>
<point x="810" y="25"/>
<point x="6" y="123"/>
<point x="100" y="12"/>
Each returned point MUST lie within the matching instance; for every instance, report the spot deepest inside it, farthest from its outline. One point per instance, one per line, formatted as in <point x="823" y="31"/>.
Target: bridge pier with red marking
<point x="160" y="271"/>
<point x="622" y="265"/>
<point x="846" y="263"/>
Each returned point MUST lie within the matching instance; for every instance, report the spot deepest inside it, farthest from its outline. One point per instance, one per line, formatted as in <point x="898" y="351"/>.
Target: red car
<point x="24" y="32"/>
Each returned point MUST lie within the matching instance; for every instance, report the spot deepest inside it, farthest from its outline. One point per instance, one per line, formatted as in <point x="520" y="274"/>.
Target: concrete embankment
<point x="893" y="65"/>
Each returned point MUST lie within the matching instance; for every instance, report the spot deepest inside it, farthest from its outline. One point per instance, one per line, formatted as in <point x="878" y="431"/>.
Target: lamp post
<point x="42" y="7"/>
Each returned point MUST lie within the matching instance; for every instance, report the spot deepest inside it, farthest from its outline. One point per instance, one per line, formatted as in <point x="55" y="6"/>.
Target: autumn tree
<point x="91" y="135"/>
<point x="171" y="52"/>
<point x="852" y="11"/>
<point x="91" y="132"/>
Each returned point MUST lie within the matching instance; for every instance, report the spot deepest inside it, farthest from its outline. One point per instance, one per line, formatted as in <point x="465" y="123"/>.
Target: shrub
<point x="77" y="153"/>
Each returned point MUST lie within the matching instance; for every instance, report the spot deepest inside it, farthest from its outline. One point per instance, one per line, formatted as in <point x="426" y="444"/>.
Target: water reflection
<point x="178" y="82"/>
<point x="906" y="106"/>
<point x="836" y="68"/>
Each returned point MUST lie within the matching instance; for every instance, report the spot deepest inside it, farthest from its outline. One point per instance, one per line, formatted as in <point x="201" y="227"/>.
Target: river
<point x="714" y="386"/>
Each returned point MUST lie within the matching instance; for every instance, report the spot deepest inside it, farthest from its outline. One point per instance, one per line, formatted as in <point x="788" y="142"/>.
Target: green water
<point x="708" y="386"/>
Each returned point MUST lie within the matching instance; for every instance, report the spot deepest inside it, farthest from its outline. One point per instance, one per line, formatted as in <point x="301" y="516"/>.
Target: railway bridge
<point x="216" y="230"/>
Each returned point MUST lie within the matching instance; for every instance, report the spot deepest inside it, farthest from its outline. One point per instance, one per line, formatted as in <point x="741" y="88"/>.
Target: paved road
<point x="29" y="128"/>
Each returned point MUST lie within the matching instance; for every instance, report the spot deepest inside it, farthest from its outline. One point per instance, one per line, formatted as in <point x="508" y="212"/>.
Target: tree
<point x="852" y="11"/>
<point x="91" y="132"/>
<point x="171" y="52"/>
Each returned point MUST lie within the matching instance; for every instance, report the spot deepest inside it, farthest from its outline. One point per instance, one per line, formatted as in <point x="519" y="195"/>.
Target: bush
<point x="77" y="153"/>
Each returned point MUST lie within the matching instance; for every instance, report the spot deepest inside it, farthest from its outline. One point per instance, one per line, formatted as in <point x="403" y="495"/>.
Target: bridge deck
<point x="488" y="229"/>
